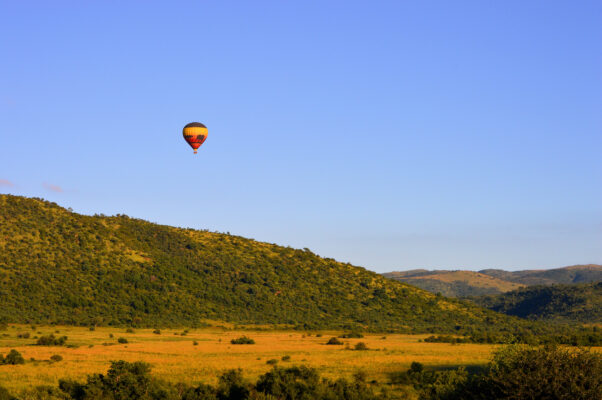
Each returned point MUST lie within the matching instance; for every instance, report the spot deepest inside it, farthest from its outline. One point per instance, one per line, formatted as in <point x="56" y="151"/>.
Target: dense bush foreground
<point x="516" y="372"/>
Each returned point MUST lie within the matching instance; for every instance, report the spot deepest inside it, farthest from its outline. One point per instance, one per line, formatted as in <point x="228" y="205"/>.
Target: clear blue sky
<point x="390" y="134"/>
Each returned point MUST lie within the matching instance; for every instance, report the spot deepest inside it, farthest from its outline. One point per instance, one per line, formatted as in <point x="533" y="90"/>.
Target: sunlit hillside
<point x="456" y="283"/>
<point x="57" y="266"/>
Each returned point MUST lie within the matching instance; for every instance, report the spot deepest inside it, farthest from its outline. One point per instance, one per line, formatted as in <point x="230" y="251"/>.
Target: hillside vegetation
<point x="494" y="281"/>
<point x="579" y="302"/>
<point x="57" y="266"/>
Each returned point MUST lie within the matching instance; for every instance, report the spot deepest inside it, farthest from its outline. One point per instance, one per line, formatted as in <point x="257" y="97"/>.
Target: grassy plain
<point x="176" y="358"/>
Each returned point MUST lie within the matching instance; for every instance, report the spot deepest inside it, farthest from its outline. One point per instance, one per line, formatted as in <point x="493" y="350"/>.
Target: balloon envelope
<point x="195" y="134"/>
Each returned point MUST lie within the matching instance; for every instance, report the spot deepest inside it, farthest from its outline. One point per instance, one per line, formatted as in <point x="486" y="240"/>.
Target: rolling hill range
<point x="566" y="275"/>
<point x="575" y="303"/>
<point x="57" y="266"/>
<point x="494" y="281"/>
<point x="454" y="283"/>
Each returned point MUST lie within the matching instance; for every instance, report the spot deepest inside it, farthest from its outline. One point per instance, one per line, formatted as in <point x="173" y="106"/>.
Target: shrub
<point x="272" y="361"/>
<point x="195" y="343"/>
<point x="56" y="358"/>
<point x="129" y="330"/>
<point x="416" y="367"/>
<point x="446" y="339"/>
<point x="305" y="383"/>
<point x="352" y="335"/>
<point x="286" y="358"/>
<point x="334" y="340"/>
<point x="124" y="380"/>
<point x="432" y="384"/>
<point x="51" y="340"/>
<point x="521" y="372"/>
<point x="23" y="335"/>
<point x="242" y="340"/>
<point x="361" y="346"/>
<point x="157" y="331"/>
<point x="232" y="386"/>
<point x="122" y="340"/>
<point x="13" y="358"/>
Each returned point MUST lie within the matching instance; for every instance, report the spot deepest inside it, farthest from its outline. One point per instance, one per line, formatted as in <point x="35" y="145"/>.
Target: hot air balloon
<point x="195" y="134"/>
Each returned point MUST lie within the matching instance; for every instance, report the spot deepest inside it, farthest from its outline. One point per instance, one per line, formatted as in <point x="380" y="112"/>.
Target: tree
<point x="14" y="358"/>
<point x="232" y="386"/>
<point x="519" y="372"/>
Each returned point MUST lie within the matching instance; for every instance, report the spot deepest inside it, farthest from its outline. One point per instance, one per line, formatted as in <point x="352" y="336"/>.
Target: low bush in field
<point x="352" y="335"/>
<point x="242" y="340"/>
<point x="12" y="358"/>
<point x="334" y="341"/>
<point x="51" y="340"/>
<point x="360" y="346"/>
<point x="447" y="339"/>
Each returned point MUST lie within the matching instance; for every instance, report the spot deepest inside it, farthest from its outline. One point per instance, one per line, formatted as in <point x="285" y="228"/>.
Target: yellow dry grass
<point x="472" y="278"/>
<point x="175" y="358"/>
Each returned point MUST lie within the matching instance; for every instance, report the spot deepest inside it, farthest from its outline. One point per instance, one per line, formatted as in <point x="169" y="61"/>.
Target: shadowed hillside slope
<point x="579" y="302"/>
<point x="59" y="266"/>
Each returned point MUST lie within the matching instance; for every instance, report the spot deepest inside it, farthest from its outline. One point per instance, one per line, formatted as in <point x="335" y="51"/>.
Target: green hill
<point x="579" y="302"/>
<point x="59" y="266"/>
<point x="494" y="281"/>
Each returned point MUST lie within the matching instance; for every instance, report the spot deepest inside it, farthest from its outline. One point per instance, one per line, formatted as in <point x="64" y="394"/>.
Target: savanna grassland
<point x="176" y="358"/>
<point x="102" y="285"/>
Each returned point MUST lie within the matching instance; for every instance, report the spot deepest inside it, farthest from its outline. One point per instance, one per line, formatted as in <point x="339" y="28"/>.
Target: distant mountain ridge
<point x="566" y="275"/>
<point x="494" y="281"/>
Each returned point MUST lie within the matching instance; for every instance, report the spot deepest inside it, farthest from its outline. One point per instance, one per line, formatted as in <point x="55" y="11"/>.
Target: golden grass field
<point x="175" y="358"/>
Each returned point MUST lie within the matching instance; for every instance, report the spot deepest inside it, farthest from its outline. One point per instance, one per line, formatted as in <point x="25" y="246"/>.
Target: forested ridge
<point x="58" y="266"/>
